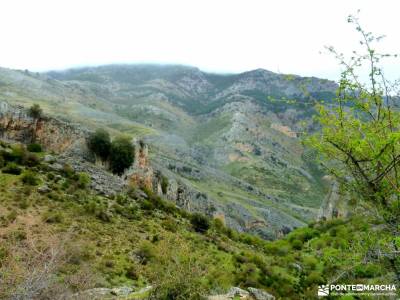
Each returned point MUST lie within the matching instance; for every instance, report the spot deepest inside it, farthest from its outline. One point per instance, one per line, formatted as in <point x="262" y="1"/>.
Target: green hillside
<point x="60" y="238"/>
<point x="241" y="131"/>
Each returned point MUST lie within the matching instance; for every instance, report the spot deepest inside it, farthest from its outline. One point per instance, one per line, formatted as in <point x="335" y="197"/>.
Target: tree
<point x="34" y="147"/>
<point x="360" y="129"/>
<point x="35" y="111"/>
<point x="200" y="222"/>
<point x="99" y="143"/>
<point x="122" y="152"/>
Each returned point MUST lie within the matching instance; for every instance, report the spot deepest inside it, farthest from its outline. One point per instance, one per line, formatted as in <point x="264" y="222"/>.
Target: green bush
<point x="248" y="275"/>
<point x="83" y="180"/>
<point x="367" y="271"/>
<point x="164" y="184"/>
<point x="35" y="147"/>
<point x="31" y="160"/>
<point x="12" y="168"/>
<point x="314" y="278"/>
<point x="18" y="154"/>
<point x="121" y="156"/>
<point x="279" y="247"/>
<point x="146" y="205"/>
<point x="219" y="225"/>
<point x="145" y="252"/>
<point x="303" y="234"/>
<point x="169" y="224"/>
<point x="50" y="176"/>
<point x="68" y="171"/>
<point x="297" y="244"/>
<point x="53" y="217"/>
<point x="97" y="207"/>
<point x="99" y="143"/>
<point x="35" y="111"/>
<point x="128" y="210"/>
<point x="310" y="263"/>
<point x="54" y="196"/>
<point x="2" y="161"/>
<point x="30" y="178"/>
<point x="200" y="222"/>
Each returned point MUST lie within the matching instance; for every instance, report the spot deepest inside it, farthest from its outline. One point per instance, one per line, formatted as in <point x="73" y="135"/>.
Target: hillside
<point x="70" y="229"/>
<point x="229" y="142"/>
<point x="61" y="239"/>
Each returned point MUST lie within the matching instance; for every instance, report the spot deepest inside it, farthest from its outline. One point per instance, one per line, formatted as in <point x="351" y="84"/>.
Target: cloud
<point x="219" y="36"/>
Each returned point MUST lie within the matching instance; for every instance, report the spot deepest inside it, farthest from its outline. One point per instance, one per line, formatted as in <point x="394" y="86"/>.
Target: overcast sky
<point x="214" y="35"/>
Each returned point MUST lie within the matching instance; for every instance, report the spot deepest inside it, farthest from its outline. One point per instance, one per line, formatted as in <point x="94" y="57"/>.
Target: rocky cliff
<point x="53" y="134"/>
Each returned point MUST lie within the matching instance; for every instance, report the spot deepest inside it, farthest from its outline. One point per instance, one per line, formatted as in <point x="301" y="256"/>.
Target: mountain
<point x="228" y="143"/>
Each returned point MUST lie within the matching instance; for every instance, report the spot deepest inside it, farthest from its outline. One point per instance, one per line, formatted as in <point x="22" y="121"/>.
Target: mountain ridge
<point x="233" y="138"/>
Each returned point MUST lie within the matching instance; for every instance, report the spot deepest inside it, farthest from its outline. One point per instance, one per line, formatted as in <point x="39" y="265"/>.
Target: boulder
<point x="43" y="189"/>
<point x="49" y="158"/>
<point x="260" y="294"/>
<point x="235" y="291"/>
<point x="121" y="291"/>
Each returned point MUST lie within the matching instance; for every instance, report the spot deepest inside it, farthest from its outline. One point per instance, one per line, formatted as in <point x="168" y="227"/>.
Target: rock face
<point x="141" y="174"/>
<point x="68" y="140"/>
<point x="55" y="135"/>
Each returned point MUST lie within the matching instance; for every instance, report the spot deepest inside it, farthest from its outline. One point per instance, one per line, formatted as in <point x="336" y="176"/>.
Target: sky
<point x="223" y="36"/>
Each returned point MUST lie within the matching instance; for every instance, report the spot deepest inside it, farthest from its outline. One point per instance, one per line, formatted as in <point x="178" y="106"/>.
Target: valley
<point x="231" y="141"/>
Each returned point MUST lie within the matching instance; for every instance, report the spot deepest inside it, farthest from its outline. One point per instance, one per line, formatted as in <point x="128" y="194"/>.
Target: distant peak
<point x="258" y="72"/>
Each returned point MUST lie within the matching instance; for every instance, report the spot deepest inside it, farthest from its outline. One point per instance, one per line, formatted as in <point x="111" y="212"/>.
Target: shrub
<point x="146" y="205"/>
<point x="169" y="224"/>
<point x="54" y="196"/>
<point x="302" y="234"/>
<point x="23" y="203"/>
<point x="368" y="270"/>
<point x="35" y="111"/>
<point x="18" y="154"/>
<point x="219" y="225"/>
<point x="12" y="168"/>
<point x="200" y="222"/>
<point x="121" y="156"/>
<point x="68" y="171"/>
<point x="164" y="184"/>
<point x="128" y="211"/>
<point x="314" y="278"/>
<point x="31" y="160"/>
<point x="30" y="178"/>
<point x="310" y="262"/>
<point x="132" y="273"/>
<point x="297" y="244"/>
<point x="53" y="217"/>
<point x="279" y="247"/>
<point x="12" y="216"/>
<point x="248" y="275"/>
<point x="100" y="144"/>
<point x="34" y="147"/>
<point x="97" y="207"/>
<point x="2" y="161"/>
<point x="83" y="180"/>
<point x="145" y="252"/>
